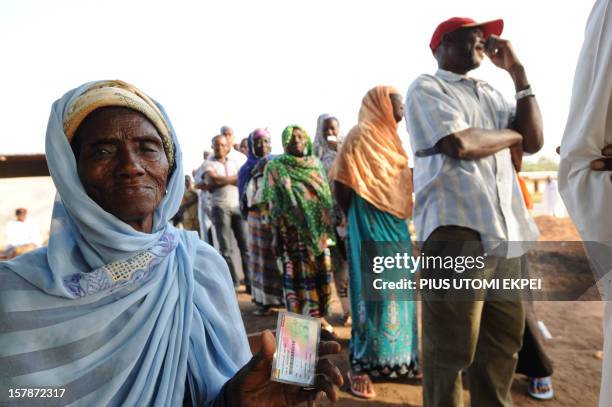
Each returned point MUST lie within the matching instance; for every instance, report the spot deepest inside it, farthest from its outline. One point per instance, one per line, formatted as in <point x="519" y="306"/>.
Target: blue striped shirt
<point x="481" y="194"/>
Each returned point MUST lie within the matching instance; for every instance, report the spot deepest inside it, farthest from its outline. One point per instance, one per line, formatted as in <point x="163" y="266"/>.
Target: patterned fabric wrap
<point x="244" y="174"/>
<point x="296" y="188"/>
<point x="306" y="276"/>
<point x="266" y="277"/>
<point x="122" y="94"/>
<point x="118" y="274"/>
<point x="113" y="315"/>
<point x="384" y="335"/>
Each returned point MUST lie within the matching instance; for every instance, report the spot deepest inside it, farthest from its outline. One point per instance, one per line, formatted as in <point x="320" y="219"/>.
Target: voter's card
<point x="297" y="343"/>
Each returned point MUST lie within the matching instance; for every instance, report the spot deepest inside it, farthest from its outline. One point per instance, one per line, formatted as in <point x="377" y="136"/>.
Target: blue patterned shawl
<point x="244" y="174"/>
<point x="116" y="316"/>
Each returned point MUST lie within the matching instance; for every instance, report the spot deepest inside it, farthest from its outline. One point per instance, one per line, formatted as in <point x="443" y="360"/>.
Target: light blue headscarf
<point x="113" y="315"/>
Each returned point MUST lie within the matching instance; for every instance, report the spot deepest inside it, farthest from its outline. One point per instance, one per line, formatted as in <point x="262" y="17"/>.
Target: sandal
<point x="416" y="374"/>
<point x="540" y="388"/>
<point x="363" y="378"/>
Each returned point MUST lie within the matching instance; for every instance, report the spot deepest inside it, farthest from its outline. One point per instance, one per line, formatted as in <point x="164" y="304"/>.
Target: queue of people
<point x="466" y="136"/>
<point x="129" y="309"/>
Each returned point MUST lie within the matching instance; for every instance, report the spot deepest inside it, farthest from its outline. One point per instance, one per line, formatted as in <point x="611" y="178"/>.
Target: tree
<point x="543" y="164"/>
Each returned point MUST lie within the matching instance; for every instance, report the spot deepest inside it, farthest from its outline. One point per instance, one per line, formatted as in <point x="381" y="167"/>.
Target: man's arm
<point x="202" y="186"/>
<point x="216" y="181"/>
<point x="516" y="154"/>
<point x="200" y="178"/>
<point x="437" y="124"/>
<point x="528" y="120"/>
<point x="475" y="143"/>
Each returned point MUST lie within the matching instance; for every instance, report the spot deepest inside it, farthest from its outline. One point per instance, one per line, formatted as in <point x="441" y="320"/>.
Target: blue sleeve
<point x="220" y="400"/>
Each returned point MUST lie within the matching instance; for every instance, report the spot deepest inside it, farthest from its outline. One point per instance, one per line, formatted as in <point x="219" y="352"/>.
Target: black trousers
<point x="532" y="359"/>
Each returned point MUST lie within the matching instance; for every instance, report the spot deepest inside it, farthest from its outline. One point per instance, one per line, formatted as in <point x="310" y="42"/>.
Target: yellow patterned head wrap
<point x="122" y="94"/>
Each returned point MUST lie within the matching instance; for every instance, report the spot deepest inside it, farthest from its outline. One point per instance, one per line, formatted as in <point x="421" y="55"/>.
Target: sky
<point x="262" y="63"/>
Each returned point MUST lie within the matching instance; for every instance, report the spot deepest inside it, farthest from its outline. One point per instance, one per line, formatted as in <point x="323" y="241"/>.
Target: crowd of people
<point x="301" y="219"/>
<point x="129" y="309"/>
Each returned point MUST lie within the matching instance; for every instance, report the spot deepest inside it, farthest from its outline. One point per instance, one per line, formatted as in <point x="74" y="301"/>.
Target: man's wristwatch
<point x="524" y="93"/>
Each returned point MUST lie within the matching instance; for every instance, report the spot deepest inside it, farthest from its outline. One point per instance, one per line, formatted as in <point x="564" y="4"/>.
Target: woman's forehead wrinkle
<point x="121" y="95"/>
<point x="124" y="127"/>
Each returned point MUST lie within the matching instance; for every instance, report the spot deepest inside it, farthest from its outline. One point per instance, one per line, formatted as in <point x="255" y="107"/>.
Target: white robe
<point x="587" y="194"/>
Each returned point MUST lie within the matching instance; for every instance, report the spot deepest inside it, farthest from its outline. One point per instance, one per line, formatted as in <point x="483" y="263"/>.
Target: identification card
<point x="297" y="343"/>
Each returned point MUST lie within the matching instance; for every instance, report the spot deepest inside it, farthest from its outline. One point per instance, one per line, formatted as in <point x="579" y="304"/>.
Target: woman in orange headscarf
<point x="373" y="185"/>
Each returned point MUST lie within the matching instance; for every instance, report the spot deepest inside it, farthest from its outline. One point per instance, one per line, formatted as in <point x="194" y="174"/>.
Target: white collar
<point x="455" y="77"/>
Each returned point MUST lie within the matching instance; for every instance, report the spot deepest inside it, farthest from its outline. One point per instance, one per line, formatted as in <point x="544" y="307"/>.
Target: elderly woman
<point x="301" y="209"/>
<point x="373" y="186"/>
<point x="326" y="144"/>
<point x="266" y="281"/>
<point x="122" y="308"/>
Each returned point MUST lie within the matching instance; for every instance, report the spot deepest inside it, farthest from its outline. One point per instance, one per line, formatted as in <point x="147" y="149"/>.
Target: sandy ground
<point x="575" y="347"/>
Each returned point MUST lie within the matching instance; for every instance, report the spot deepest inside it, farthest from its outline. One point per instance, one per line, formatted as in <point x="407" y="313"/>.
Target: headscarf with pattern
<point x="244" y="174"/>
<point x="297" y="188"/>
<point x="114" y="315"/>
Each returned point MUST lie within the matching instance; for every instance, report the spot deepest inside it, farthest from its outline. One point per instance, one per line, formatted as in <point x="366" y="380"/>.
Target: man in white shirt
<point x="551" y="197"/>
<point x="585" y="171"/>
<point x="221" y="177"/>
<point x="21" y="234"/>
<point x="234" y="153"/>
<point x="464" y="133"/>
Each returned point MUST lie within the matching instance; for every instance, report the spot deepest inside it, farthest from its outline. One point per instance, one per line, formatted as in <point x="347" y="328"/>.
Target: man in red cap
<point x="465" y="134"/>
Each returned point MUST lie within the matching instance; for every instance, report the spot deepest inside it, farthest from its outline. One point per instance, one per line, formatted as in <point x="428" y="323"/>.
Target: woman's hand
<point x="252" y="387"/>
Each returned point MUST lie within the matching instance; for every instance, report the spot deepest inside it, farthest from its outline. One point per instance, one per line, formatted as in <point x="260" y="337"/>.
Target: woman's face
<point x="261" y="146"/>
<point x="331" y="128"/>
<point x="297" y="143"/>
<point x="244" y="146"/>
<point x="398" y="106"/>
<point x="122" y="164"/>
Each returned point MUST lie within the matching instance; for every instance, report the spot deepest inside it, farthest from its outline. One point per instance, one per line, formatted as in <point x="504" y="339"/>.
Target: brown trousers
<point x="481" y="336"/>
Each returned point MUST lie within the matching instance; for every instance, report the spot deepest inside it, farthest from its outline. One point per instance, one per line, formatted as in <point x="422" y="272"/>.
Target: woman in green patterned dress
<point x="301" y="210"/>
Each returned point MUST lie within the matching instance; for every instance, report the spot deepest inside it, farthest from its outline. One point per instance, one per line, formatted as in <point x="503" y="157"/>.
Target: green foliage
<point x="542" y="164"/>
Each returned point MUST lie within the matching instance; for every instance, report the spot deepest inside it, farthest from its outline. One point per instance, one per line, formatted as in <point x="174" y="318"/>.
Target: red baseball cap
<point x="488" y="27"/>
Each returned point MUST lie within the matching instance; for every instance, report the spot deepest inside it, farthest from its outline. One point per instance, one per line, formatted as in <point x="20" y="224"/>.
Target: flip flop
<point x="416" y="374"/>
<point x="538" y="382"/>
<point x="360" y="378"/>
